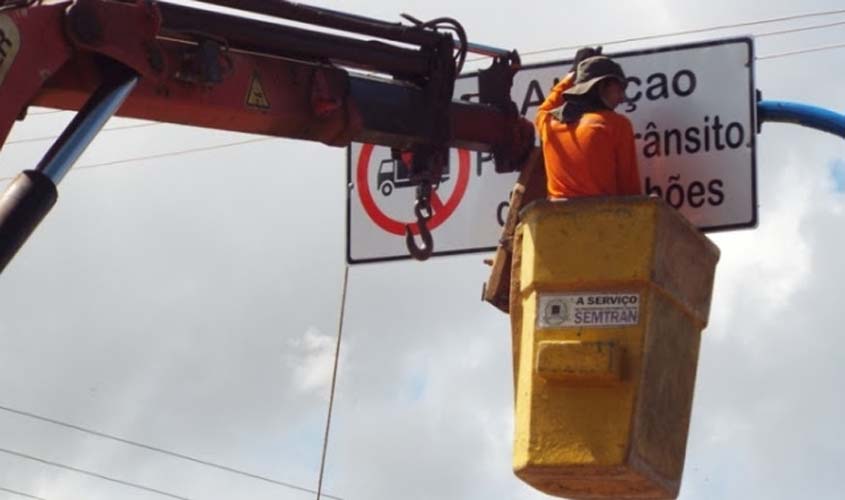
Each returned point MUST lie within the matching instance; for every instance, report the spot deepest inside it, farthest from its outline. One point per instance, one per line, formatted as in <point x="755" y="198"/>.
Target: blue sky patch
<point x="837" y="174"/>
<point x="418" y="382"/>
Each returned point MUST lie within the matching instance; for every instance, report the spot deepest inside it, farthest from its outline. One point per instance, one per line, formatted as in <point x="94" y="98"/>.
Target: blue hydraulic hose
<point x="801" y="114"/>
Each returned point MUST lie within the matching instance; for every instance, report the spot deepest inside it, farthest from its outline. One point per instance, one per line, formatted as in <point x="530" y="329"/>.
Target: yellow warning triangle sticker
<point x="256" y="97"/>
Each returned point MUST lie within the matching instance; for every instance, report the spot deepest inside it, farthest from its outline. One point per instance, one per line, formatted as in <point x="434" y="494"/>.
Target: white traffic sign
<point x="693" y="108"/>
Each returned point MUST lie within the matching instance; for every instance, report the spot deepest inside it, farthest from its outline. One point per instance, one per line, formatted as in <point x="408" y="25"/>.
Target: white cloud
<point x="311" y="357"/>
<point x="766" y="266"/>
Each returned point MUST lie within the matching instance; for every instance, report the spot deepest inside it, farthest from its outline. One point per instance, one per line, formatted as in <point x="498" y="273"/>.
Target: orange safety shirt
<point x="593" y="156"/>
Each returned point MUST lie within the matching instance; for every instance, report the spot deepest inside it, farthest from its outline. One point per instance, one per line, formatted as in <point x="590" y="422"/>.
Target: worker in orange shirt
<point x="588" y="148"/>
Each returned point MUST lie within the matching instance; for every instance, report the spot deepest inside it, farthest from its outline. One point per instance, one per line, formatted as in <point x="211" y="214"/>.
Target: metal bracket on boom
<point x="494" y="89"/>
<point x="429" y="159"/>
<point x="206" y="64"/>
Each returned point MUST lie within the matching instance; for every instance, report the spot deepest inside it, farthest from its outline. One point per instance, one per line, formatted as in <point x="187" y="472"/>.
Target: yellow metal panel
<point x="578" y="363"/>
<point x="606" y="243"/>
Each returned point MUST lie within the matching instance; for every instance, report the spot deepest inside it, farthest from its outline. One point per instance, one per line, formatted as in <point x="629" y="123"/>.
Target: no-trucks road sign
<point x="693" y="108"/>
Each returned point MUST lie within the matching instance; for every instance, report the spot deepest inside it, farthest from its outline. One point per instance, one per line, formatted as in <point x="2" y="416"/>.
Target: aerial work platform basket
<point x="608" y="300"/>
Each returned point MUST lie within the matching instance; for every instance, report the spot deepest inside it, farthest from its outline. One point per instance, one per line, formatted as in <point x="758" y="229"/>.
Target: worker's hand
<point x="584" y="53"/>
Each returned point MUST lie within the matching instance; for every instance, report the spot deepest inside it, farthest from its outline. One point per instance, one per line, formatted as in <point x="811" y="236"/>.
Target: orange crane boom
<point x="177" y="64"/>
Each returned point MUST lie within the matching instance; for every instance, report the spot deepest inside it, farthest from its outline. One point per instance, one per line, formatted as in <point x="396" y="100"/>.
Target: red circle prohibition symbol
<point x="441" y="210"/>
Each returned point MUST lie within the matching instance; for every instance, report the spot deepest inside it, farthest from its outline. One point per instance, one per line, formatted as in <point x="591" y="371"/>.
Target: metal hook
<point x="416" y="252"/>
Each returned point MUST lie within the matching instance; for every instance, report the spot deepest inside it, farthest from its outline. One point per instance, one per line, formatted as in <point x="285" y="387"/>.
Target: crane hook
<point x="423" y="214"/>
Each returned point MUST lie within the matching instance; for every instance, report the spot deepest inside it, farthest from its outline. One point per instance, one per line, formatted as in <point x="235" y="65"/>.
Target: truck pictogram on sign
<point x="382" y="199"/>
<point x="395" y="173"/>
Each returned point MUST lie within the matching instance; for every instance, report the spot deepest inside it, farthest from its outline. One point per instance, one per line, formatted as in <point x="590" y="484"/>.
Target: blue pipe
<point x="801" y="114"/>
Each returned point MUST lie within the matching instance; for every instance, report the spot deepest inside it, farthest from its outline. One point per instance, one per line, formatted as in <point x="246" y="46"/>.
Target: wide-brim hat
<point x="593" y="70"/>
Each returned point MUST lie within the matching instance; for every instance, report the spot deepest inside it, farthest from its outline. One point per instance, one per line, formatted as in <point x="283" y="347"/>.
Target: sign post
<point x="693" y="110"/>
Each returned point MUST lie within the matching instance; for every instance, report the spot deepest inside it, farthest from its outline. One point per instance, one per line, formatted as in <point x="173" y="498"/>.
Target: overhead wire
<point x="801" y="51"/>
<point x="109" y="129"/>
<point x="20" y="493"/>
<point x="157" y="449"/>
<point x="334" y="380"/>
<point x="49" y="112"/>
<point x="798" y="30"/>
<point x="163" y="155"/>
<point x="677" y="33"/>
<point x="91" y="474"/>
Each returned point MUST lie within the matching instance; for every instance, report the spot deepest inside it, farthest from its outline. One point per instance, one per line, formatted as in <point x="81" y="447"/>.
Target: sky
<point x="191" y="303"/>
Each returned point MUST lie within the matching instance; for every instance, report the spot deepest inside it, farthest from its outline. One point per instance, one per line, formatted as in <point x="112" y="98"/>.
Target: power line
<point x="680" y="33"/>
<point x="173" y="153"/>
<point x="163" y="155"/>
<point x="797" y="30"/>
<point x="20" y="493"/>
<point x="160" y="450"/>
<point x="91" y="474"/>
<point x="50" y="112"/>
<point x="694" y="31"/>
<point x="334" y="380"/>
<point x="801" y="51"/>
<point x="48" y="137"/>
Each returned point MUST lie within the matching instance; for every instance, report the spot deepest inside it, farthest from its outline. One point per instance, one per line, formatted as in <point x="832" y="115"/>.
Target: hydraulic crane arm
<point x="176" y="64"/>
<point x="199" y="68"/>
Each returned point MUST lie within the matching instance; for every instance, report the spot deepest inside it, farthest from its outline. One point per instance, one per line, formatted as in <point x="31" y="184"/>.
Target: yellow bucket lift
<point x="608" y="297"/>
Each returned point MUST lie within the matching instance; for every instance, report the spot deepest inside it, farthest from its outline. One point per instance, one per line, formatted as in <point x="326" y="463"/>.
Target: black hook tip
<point x="419" y="253"/>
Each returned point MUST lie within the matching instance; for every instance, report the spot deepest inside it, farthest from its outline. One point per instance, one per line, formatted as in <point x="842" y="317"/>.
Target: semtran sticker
<point x="588" y="310"/>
